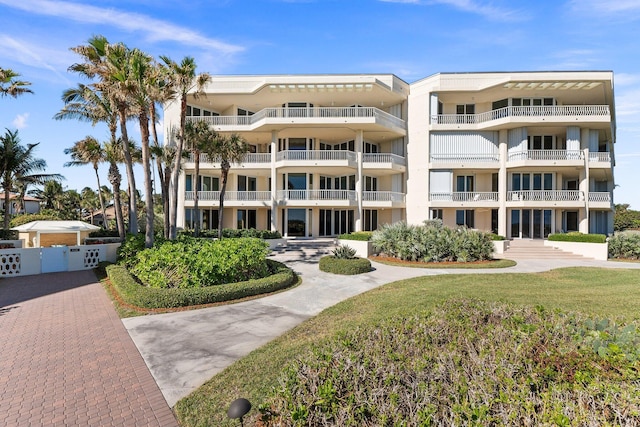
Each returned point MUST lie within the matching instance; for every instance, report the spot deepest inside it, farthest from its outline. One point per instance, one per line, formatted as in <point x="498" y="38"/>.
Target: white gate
<point x="54" y="259"/>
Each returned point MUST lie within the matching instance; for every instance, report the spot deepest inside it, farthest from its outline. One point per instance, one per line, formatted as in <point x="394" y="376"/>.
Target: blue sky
<point x="410" y="38"/>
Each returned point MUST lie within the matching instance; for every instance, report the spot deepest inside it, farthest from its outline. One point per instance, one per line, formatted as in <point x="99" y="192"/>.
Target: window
<point x="436" y="214"/>
<point x="465" y="218"/>
<point x="243" y="112"/>
<point x="540" y="142"/>
<point x="370" y="220"/>
<point x="246" y="218"/>
<point x="370" y="183"/>
<point x="371" y="148"/>
<point x="246" y="183"/>
<point x="465" y="183"/>
<point x="325" y="228"/>
<point x="467" y="112"/>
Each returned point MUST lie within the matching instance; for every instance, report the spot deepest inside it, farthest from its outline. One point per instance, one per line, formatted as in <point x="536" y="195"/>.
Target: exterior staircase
<point x="536" y="250"/>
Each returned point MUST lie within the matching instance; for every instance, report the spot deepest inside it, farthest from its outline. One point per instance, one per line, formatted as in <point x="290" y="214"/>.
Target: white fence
<point x="29" y="261"/>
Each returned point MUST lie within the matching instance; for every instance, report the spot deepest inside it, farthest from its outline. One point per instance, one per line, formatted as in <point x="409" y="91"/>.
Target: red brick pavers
<point x="67" y="360"/>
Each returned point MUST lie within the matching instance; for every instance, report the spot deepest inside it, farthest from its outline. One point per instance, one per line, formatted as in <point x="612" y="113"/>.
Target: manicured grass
<point x="613" y="293"/>
<point x="494" y="263"/>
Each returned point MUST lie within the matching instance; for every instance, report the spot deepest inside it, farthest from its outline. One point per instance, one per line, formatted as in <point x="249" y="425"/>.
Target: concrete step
<point x="535" y="249"/>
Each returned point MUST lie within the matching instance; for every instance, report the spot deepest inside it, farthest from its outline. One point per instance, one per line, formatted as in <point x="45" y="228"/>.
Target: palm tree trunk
<point x="100" y="198"/>
<point x="7" y="195"/>
<point x="225" y="173"/>
<point x="131" y="180"/>
<point x="196" y="211"/>
<point x="175" y="172"/>
<point x="148" y="190"/>
<point x="164" y="189"/>
<point x="114" y="174"/>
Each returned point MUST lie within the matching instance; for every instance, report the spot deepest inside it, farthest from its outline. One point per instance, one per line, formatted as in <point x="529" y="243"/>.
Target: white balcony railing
<point x="546" y="155"/>
<point x="465" y="196"/>
<point x="383" y="158"/>
<point x="383" y="196"/>
<point x="545" y="196"/>
<point x="460" y="157"/>
<point x="603" y="196"/>
<point x="316" y="155"/>
<point x="320" y="113"/>
<point x="597" y="156"/>
<point x="523" y="111"/>
<point x="232" y="196"/>
<point x="249" y="158"/>
<point x="316" y="195"/>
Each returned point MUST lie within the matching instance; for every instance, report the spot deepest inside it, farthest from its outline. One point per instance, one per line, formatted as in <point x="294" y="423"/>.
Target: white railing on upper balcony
<point x="233" y="196"/>
<point x="546" y="155"/>
<point x="249" y="158"/>
<point x="600" y="196"/>
<point x="464" y="157"/>
<point x="383" y="196"/>
<point x="545" y="196"/>
<point x="599" y="156"/>
<point x="316" y="155"/>
<point x="383" y="158"/>
<point x="465" y="196"/>
<point x="523" y="111"/>
<point x="383" y="117"/>
<point x="316" y="195"/>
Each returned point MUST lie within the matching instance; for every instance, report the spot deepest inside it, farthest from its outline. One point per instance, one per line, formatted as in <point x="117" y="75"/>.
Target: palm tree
<point x="84" y="152"/>
<point x="182" y="79"/>
<point x="226" y="149"/>
<point x="90" y="202"/>
<point x="198" y="137"/>
<point x="50" y="195"/>
<point x="9" y="86"/>
<point x="18" y="164"/>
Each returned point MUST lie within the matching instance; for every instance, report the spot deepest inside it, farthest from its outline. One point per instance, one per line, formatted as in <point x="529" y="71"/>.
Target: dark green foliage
<point x="625" y="218"/>
<point x="8" y="234"/>
<point x="466" y="363"/>
<point x="135" y="294"/>
<point x="344" y="252"/>
<point x="331" y="264"/>
<point x="26" y="218"/>
<point x="575" y="236"/>
<point x="104" y="233"/>
<point x="357" y="235"/>
<point x="192" y="263"/>
<point x="498" y="237"/>
<point x="234" y="233"/>
<point x="624" y="246"/>
<point x="432" y="242"/>
<point x="131" y="246"/>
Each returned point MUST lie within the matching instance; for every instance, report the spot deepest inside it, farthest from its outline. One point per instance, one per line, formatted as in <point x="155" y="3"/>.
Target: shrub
<point x="465" y="363"/>
<point x="128" y="250"/>
<point x="26" y="218"/>
<point x="357" y="235"/>
<point x="624" y="246"/>
<point x="344" y="252"/>
<point x="135" y="294"/>
<point x="9" y="234"/>
<point x="432" y="242"/>
<point x="235" y="233"/>
<point x="189" y="262"/>
<point x="494" y="236"/>
<point x="575" y="236"/>
<point x="104" y="233"/>
<point x="331" y="264"/>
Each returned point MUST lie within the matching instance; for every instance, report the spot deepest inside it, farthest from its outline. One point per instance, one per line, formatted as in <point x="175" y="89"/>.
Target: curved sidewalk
<point x="67" y="360"/>
<point x="185" y="349"/>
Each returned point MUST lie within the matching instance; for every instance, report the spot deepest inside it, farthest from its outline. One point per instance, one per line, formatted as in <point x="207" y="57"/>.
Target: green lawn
<point x="612" y="293"/>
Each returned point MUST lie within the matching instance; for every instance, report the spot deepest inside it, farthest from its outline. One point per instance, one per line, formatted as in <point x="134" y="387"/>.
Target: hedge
<point x="578" y="237"/>
<point x="331" y="264"/>
<point x="364" y="236"/>
<point x="234" y="233"/>
<point x="138" y="295"/>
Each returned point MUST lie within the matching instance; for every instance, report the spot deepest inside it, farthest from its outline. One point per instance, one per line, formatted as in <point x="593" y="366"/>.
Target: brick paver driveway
<point x="67" y="360"/>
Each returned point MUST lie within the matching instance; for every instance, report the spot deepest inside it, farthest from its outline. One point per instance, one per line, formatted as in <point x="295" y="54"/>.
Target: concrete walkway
<point x="185" y="349"/>
<point x="67" y="360"/>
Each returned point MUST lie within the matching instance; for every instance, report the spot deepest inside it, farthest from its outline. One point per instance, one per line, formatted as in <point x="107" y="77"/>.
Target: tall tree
<point x="17" y="162"/>
<point x="89" y="202"/>
<point x="227" y="150"/>
<point x="88" y="151"/>
<point x="9" y="86"/>
<point x="182" y="79"/>
<point x="198" y="137"/>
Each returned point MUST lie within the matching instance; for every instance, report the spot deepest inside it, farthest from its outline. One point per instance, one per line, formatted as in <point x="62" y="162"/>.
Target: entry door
<point x="54" y="259"/>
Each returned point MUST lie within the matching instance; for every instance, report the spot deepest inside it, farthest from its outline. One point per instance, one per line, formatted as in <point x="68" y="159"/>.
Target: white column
<point x="502" y="183"/>
<point x="274" y="183"/>
<point x="359" y="148"/>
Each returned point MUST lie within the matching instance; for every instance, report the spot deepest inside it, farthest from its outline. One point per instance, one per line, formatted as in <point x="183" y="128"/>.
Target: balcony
<point x="525" y="114"/>
<point x="465" y="198"/>
<point x="383" y="199"/>
<point x="369" y="118"/>
<point x="316" y="158"/>
<point x="231" y="198"/>
<point x="599" y="159"/>
<point x="383" y="161"/>
<point x="257" y="159"/>
<point x="564" y="197"/>
<point x="317" y="197"/>
<point x="570" y="156"/>
<point x="600" y="199"/>
<point x="465" y="158"/>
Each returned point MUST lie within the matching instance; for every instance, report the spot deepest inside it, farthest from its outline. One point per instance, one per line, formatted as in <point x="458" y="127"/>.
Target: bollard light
<point x="238" y="409"/>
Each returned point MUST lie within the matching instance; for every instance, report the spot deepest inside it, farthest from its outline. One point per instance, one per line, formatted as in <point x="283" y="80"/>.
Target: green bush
<point x="133" y="293"/>
<point x="189" y="262"/>
<point x="624" y="246"/>
<point x="131" y="246"/>
<point x="104" y="233"/>
<point x="575" y="236"/>
<point x="9" y="234"/>
<point x="331" y="264"/>
<point x="497" y="237"/>
<point x="235" y="233"/>
<point x="357" y="235"/>
<point x="26" y="218"/>
<point x="432" y="242"/>
<point x="344" y="252"/>
<point x="465" y="363"/>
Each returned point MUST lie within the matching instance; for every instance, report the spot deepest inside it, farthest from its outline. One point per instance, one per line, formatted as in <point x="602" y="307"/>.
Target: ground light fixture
<point x="238" y="409"/>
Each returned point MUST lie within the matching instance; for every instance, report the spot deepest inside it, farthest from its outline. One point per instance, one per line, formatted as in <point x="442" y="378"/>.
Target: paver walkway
<point x="67" y="360"/>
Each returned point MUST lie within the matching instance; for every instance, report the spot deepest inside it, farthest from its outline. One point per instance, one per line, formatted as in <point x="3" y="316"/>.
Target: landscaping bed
<point x="490" y="263"/>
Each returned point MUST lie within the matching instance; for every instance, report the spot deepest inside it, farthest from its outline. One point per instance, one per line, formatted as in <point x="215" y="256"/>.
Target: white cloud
<point x="155" y="30"/>
<point x="605" y="6"/>
<point x="487" y="10"/>
<point x="626" y="79"/>
<point x="20" y="121"/>
<point x="38" y="56"/>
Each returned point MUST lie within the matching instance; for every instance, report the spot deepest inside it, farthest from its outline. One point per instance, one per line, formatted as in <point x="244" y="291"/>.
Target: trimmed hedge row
<point x="235" y="233"/>
<point x="331" y="264"/>
<point x="578" y="237"/>
<point x="138" y="295"/>
<point x="363" y="236"/>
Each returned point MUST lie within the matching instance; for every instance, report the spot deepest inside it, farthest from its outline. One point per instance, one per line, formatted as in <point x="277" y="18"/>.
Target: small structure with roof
<point x="50" y="233"/>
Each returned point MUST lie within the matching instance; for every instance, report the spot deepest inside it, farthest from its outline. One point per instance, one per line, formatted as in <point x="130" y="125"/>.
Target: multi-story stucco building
<point x="524" y="154"/>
